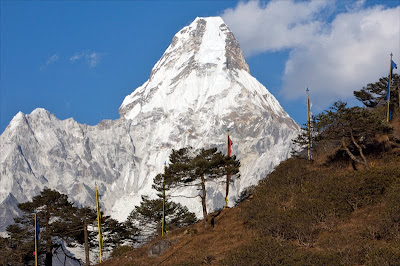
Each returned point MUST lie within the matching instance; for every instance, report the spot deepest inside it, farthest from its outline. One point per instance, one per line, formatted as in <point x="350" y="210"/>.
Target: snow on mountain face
<point x="198" y="89"/>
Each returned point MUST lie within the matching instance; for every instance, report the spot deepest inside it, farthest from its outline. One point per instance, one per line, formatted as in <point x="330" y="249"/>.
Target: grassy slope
<point x="301" y="214"/>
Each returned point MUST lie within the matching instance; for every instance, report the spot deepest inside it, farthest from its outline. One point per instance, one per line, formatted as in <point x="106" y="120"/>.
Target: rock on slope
<point x="198" y="89"/>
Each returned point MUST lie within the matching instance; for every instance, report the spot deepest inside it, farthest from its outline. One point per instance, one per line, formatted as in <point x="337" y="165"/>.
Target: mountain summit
<point x="200" y="88"/>
<point x="203" y="62"/>
<point x="198" y="64"/>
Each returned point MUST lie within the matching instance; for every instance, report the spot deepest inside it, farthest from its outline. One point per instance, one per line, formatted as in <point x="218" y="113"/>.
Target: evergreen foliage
<point x="60" y="221"/>
<point x="349" y="129"/>
<point x="189" y="167"/>
<point x="150" y="212"/>
<point x="374" y="94"/>
<point x="353" y="132"/>
<point x="148" y="215"/>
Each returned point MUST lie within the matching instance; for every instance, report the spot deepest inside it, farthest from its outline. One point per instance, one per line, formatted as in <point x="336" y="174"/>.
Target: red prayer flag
<point x="229" y="146"/>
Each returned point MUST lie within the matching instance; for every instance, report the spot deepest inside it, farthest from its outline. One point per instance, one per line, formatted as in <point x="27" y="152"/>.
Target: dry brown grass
<point x="200" y="246"/>
<point x="342" y="236"/>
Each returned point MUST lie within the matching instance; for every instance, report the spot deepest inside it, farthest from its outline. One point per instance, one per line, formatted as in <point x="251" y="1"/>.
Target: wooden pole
<point x="85" y="235"/>
<point x="227" y="175"/>
<point x="98" y="220"/>
<point x="163" y="206"/>
<point x="308" y="127"/>
<point x="388" y="90"/>
<point x="36" y="251"/>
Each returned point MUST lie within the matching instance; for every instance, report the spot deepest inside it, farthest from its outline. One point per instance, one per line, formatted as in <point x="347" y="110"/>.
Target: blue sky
<point x="81" y="58"/>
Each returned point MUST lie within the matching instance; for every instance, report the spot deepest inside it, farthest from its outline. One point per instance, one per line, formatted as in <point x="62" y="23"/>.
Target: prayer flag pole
<point x="99" y="221"/>
<point x="163" y="206"/>
<point x="308" y="126"/>
<point x="388" y="90"/>
<point x="228" y="176"/>
<point x="36" y="240"/>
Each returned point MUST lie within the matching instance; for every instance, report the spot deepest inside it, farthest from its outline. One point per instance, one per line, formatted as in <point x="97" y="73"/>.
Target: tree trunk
<point x="85" y="234"/>
<point x="49" y="256"/>
<point x="228" y="177"/>
<point x="203" y="200"/>
<point x="359" y="150"/>
<point x="352" y="156"/>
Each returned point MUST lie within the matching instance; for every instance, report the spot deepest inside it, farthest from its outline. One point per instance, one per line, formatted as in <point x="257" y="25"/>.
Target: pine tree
<point x="149" y="213"/>
<point x="189" y="167"/>
<point x="374" y="94"/>
<point x="349" y="129"/>
<point x="59" y="220"/>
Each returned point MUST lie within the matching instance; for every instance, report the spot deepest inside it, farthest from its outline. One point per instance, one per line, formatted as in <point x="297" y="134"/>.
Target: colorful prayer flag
<point x="230" y="142"/>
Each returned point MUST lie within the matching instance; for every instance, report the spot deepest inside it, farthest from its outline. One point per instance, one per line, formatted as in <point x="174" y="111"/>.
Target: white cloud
<point x="76" y="57"/>
<point x="355" y="52"/>
<point x="275" y="26"/>
<point x="332" y="58"/>
<point x="92" y="58"/>
<point x="50" y="61"/>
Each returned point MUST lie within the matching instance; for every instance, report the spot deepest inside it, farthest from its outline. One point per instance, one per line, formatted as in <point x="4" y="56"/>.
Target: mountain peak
<point x="217" y="20"/>
<point x="201" y="52"/>
<point x="17" y="119"/>
<point x="211" y="41"/>
<point x="40" y="111"/>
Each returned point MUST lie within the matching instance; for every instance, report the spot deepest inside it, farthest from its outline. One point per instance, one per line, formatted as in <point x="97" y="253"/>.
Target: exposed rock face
<point x="158" y="248"/>
<point x="8" y="210"/>
<point x="39" y="151"/>
<point x="199" y="88"/>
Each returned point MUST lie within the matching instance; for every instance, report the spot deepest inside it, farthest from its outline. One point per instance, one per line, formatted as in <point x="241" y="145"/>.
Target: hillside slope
<point x="303" y="214"/>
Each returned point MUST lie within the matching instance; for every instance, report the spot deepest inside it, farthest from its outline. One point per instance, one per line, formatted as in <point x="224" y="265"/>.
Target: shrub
<point x="270" y="251"/>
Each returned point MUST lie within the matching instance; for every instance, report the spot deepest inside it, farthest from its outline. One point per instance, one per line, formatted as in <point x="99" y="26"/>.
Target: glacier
<point x="200" y="88"/>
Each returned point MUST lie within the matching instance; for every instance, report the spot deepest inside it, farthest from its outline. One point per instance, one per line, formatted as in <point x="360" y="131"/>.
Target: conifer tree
<point x="354" y="129"/>
<point x="349" y="129"/>
<point x="59" y="220"/>
<point x="189" y="167"/>
<point x="149" y="213"/>
<point x="374" y="94"/>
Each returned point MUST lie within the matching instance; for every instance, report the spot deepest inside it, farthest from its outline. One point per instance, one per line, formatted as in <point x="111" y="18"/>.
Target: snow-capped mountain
<point x="199" y="88"/>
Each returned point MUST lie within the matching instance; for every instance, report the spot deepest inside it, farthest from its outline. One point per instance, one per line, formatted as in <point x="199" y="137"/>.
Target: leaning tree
<point x="349" y="129"/>
<point x="374" y="94"/>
